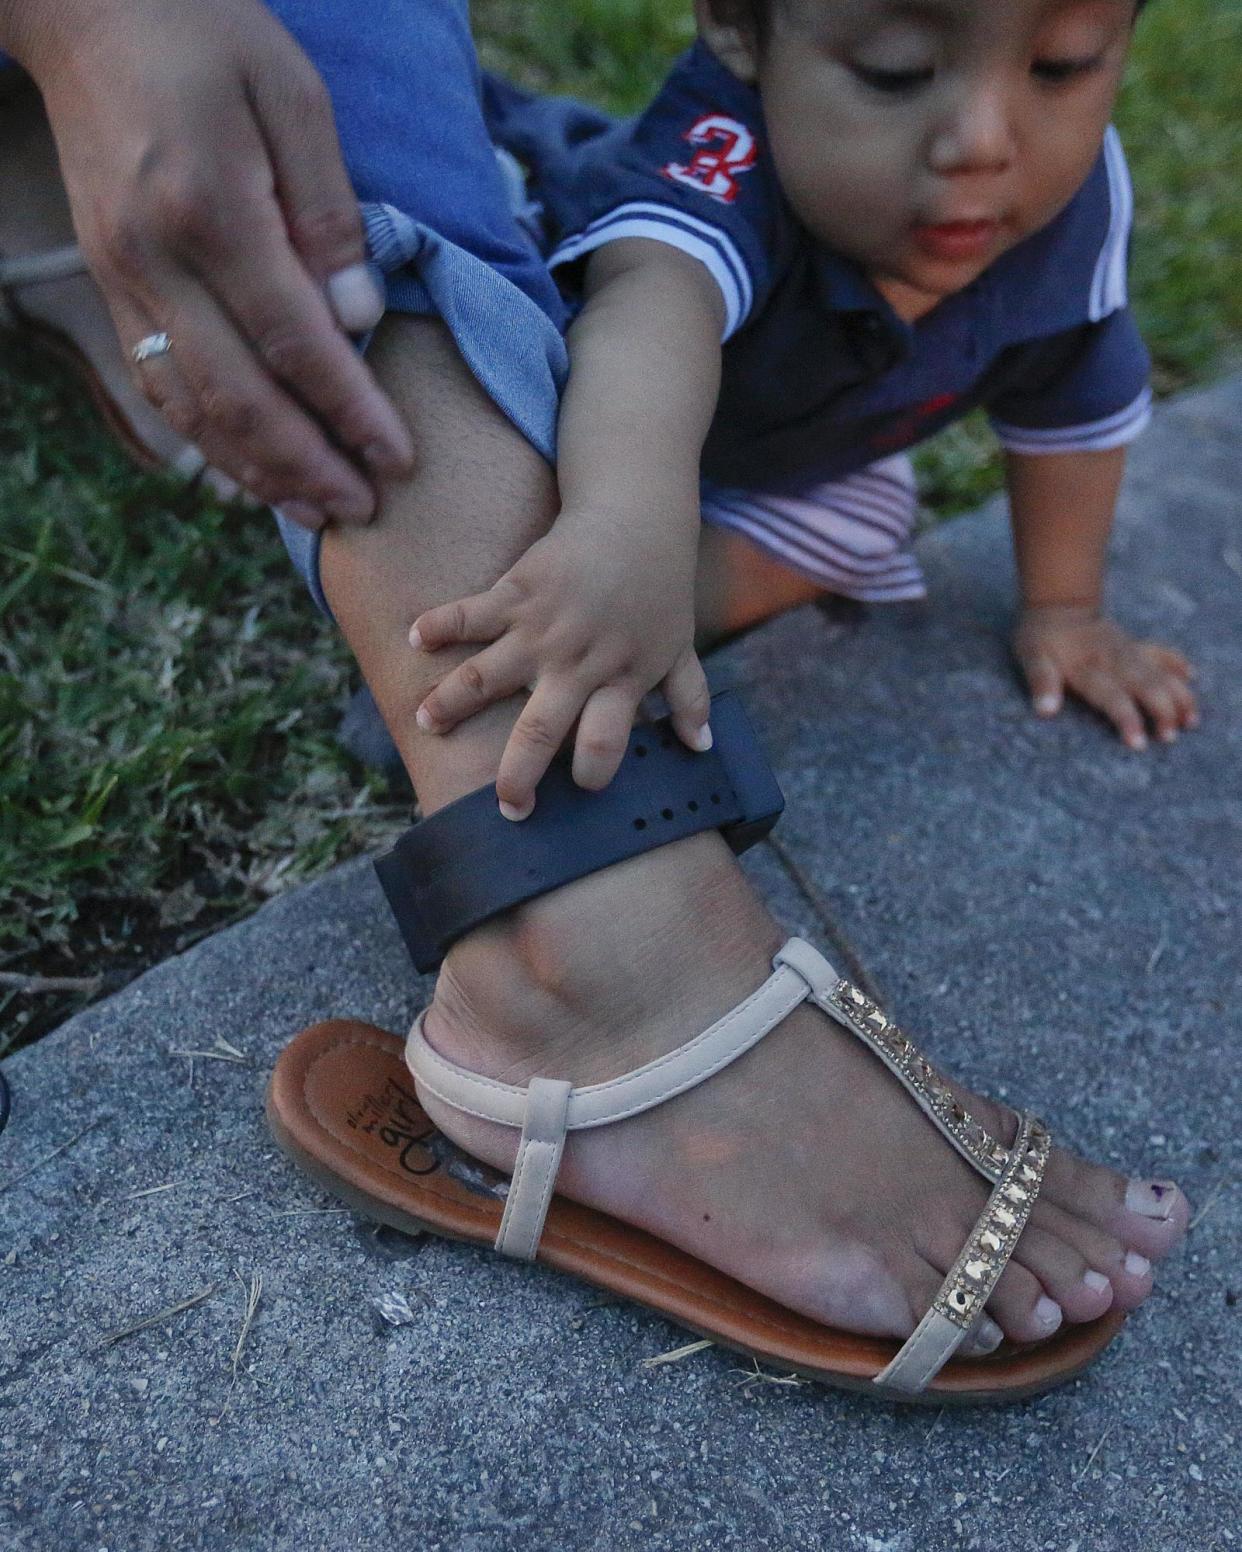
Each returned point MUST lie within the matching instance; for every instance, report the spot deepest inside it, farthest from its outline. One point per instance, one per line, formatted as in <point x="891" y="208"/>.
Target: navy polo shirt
<point x="819" y="375"/>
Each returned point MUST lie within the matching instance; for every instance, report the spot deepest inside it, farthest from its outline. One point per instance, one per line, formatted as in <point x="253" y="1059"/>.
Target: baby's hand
<point x="1061" y="647"/>
<point x="589" y="629"/>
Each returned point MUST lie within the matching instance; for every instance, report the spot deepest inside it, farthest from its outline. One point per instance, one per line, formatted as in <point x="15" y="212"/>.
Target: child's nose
<point x="975" y="134"/>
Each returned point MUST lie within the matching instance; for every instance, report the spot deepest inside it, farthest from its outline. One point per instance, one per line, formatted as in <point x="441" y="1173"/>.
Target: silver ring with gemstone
<point x="150" y="347"/>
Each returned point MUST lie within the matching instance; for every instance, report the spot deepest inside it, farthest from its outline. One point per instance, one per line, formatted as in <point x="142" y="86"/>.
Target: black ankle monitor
<point x="466" y="863"/>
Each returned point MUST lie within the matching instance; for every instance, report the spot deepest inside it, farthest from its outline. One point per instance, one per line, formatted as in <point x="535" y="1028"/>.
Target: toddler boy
<point x="841" y="225"/>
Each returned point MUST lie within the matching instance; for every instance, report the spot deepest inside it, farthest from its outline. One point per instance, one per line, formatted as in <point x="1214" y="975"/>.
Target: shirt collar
<point x="845" y="290"/>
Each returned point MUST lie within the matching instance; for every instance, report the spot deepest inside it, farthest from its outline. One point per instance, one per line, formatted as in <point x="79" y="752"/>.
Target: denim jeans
<point x="404" y="81"/>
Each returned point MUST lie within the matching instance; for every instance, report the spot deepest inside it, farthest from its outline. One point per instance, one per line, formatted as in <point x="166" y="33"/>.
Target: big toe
<point x="1148" y="1217"/>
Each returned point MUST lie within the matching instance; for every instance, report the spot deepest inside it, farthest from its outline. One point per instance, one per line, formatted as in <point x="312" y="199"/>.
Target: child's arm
<point x="601" y="609"/>
<point x="1062" y="509"/>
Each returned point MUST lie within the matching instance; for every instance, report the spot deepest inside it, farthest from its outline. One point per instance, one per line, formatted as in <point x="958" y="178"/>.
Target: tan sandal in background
<point x="95" y="358"/>
<point x="341" y="1103"/>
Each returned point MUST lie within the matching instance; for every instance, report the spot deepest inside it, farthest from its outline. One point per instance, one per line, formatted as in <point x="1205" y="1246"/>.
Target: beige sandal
<point x="341" y="1104"/>
<point x="22" y="274"/>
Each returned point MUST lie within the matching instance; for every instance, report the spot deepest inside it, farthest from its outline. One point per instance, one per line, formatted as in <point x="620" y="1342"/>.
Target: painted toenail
<point x="1151" y="1198"/>
<point x="1136" y="1265"/>
<point x="1048" y="1313"/>
<point x="988" y="1335"/>
<point x="1096" y="1281"/>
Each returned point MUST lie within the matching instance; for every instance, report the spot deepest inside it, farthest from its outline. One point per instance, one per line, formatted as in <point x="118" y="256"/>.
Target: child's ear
<point x="730" y="36"/>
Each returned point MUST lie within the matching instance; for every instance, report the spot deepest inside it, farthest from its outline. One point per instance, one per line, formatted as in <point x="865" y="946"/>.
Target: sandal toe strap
<point x="848" y="1005"/>
<point x="975" y="1273"/>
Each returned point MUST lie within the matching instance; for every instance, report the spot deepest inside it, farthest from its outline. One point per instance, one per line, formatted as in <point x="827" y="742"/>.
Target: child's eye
<point x="1056" y="71"/>
<point x="894" y="81"/>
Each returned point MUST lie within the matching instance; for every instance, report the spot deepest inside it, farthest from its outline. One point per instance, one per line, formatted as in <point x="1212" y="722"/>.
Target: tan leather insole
<point x="341" y="1102"/>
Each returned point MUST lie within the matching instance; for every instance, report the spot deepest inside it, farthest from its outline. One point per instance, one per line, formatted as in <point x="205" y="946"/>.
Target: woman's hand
<point x="202" y="166"/>
<point x="1067" y="648"/>
<point x="590" y="619"/>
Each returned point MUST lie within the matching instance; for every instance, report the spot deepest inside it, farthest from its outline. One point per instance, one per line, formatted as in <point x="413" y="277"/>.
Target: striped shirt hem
<point x="851" y="536"/>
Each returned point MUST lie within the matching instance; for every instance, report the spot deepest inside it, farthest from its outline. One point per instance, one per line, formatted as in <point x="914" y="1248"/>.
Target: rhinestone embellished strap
<point x="975" y="1273"/>
<point x="910" y="1067"/>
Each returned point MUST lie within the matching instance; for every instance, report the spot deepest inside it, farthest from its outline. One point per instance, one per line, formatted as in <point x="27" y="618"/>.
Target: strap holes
<point x="640" y="750"/>
<point x="640" y="824"/>
<point x="692" y="806"/>
<point x="666" y="813"/>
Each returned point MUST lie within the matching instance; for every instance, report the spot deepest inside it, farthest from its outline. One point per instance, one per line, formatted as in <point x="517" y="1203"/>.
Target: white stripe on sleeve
<point x="713" y="248"/>
<point x="1108" y="284"/>
<point x="1092" y="436"/>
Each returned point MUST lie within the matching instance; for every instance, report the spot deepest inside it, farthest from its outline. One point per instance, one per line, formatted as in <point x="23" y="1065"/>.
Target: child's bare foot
<point x="802" y="1169"/>
<point x="1132" y="683"/>
<point x="34" y="219"/>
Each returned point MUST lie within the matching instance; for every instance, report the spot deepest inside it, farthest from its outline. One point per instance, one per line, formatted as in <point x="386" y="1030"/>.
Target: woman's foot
<point x="34" y="219"/>
<point x="803" y="1169"/>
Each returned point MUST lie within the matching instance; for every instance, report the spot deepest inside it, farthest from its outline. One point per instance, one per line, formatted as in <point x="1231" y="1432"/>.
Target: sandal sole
<point x="341" y="1103"/>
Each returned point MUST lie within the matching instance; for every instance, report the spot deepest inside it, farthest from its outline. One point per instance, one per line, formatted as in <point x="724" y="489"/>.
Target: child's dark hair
<point x="755" y="16"/>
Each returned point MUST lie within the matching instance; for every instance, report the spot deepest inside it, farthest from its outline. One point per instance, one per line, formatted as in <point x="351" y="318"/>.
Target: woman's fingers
<point x="689" y="701"/>
<point x="212" y="391"/>
<point x="603" y="733"/>
<point x="355" y="298"/>
<point x="489" y="676"/>
<point x="209" y="173"/>
<point x="481" y="617"/>
<point x="224" y="395"/>
<point x="320" y="207"/>
<point x="291" y="309"/>
<point x="287" y="320"/>
<point x="539" y="733"/>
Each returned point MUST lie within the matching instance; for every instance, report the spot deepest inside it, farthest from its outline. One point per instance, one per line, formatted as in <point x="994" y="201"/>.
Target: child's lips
<point x="956" y="239"/>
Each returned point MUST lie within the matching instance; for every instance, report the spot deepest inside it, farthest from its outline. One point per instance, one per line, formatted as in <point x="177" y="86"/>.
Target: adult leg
<point x="801" y="1169"/>
<point x="612" y="970"/>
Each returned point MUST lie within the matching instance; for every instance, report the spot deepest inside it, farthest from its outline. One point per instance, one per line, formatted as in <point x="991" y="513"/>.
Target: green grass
<point x="168" y="696"/>
<point x="1181" y="122"/>
<point x="167" y="701"/>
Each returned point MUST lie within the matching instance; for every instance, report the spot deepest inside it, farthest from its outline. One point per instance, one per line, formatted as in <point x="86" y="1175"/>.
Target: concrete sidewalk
<point x="1060" y="920"/>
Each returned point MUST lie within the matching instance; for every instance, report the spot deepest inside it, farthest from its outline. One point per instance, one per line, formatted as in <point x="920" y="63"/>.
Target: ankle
<point x="608" y="971"/>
